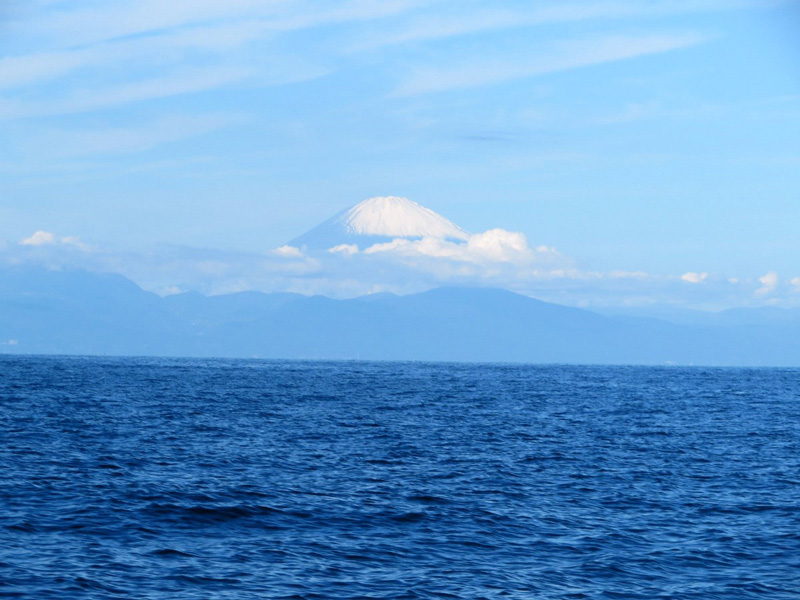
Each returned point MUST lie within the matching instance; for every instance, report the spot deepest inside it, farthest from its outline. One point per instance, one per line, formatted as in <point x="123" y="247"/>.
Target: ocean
<point x="179" y="478"/>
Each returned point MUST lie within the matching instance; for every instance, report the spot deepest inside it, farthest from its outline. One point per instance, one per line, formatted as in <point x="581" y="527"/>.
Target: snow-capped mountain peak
<point x="380" y="219"/>
<point x="392" y="216"/>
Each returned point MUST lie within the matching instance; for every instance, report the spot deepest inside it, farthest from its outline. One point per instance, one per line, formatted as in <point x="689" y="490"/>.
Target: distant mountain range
<point x="76" y="312"/>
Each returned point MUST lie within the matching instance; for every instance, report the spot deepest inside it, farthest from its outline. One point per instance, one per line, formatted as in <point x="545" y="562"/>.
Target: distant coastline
<point x="82" y="313"/>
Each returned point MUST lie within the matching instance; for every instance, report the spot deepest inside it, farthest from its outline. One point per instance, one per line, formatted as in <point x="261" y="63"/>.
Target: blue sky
<point x="652" y="137"/>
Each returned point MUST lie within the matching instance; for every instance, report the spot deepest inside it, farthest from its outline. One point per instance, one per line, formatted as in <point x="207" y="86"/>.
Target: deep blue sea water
<point x="163" y="479"/>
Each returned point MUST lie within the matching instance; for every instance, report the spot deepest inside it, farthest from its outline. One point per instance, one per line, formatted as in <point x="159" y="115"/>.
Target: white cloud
<point x="288" y="251"/>
<point x="499" y="245"/>
<point x="492" y="246"/>
<point x="496" y="258"/>
<point x="693" y="277"/>
<point x="45" y="238"/>
<point x="72" y="240"/>
<point x="768" y="282"/>
<point x="567" y="55"/>
<point x="40" y="238"/>
<point x="346" y="249"/>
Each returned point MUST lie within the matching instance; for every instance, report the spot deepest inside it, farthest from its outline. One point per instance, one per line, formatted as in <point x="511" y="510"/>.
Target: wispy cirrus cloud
<point x="561" y="56"/>
<point x="168" y="48"/>
<point x="90" y="23"/>
<point x="182" y="82"/>
<point x="104" y="56"/>
<point x="484" y="20"/>
<point x="129" y="31"/>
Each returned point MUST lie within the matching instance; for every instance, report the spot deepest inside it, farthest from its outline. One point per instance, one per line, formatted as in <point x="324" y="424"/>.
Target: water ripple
<point x="161" y="479"/>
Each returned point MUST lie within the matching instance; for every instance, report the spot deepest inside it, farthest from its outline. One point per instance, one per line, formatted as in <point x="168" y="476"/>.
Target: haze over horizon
<point x="599" y="154"/>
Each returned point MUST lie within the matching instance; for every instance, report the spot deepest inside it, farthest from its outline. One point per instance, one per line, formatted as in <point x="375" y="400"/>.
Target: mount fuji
<point x="379" y="220"/>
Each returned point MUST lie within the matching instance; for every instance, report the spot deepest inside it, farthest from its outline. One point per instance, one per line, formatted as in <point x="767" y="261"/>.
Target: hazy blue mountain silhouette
<point x="74" y="312"/>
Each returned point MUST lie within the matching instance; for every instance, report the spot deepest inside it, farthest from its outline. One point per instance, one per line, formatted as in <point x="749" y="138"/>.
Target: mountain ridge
<point x="49" y="312"/>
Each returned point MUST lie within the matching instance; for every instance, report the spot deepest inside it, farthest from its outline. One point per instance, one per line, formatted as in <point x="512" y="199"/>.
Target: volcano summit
<point x="379" y="220"/>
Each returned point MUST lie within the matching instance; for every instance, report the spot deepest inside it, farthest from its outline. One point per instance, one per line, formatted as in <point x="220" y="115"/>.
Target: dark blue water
<point x="137" y="478"/>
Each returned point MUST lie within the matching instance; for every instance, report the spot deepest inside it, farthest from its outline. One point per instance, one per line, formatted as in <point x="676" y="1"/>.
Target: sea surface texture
<point x="165" y="479"/>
